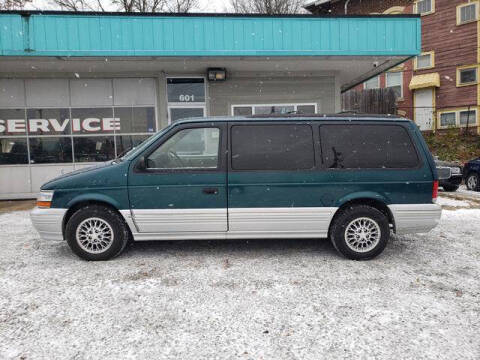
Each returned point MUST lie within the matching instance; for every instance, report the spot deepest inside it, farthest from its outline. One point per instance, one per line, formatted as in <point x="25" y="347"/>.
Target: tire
<point x="109" y="234"/>
<point x="358" y="217"/>
<point x="472" y="182"/>
<point x="450" y="188"/>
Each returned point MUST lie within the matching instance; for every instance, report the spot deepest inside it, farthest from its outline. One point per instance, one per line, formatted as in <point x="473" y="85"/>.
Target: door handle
<point x="210" y="191"/>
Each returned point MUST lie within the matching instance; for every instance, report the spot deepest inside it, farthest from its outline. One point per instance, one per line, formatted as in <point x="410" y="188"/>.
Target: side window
<point x="187" y="149"/>
<point x="367" y="146"/>
<point x="272" y="147"/>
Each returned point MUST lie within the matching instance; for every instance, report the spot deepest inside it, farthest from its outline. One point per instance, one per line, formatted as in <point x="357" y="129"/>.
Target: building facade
<point x="438" y="89"/>
<point x="81" y="88"/>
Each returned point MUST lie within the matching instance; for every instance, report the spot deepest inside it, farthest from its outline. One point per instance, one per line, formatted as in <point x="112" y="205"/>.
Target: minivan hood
<point x="98" y="175"/>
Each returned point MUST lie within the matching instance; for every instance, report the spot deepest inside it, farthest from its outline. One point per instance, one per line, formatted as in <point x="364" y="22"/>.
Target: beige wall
<point x="271" y="90"/>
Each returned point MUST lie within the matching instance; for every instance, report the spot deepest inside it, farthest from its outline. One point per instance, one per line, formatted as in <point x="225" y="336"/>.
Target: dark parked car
<point x="454" y="178"/>
<point x="471" y="174"/>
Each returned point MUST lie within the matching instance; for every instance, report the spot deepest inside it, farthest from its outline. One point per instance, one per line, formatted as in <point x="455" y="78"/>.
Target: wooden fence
<point x="373" y="101"/>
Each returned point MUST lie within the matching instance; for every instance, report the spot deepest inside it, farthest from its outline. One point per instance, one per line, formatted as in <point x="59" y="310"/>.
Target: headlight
<point x="44" y="199"/>
<point x="456" y="170"/>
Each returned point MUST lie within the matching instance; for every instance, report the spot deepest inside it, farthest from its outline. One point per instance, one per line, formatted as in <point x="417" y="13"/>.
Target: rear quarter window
<point x="367" y="146"/>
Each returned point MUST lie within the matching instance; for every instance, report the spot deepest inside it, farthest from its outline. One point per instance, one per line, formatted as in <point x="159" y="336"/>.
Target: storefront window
<point x="306" y="109"/>
<point x="94" y="148"/>
<point x="135" y="119"/>
<point x="49" y="121"/>
<point x="186" y="90"/>
<point x="271" y="109"/>
<point x="13" y="151"/>
<point x="48" y="150"/>
<point x="12" y="122"/>
<point x="127" y="142"/>
<point x="94" y="121"/>
<point x="242" y="111"/>
<point x="276" y="109"/>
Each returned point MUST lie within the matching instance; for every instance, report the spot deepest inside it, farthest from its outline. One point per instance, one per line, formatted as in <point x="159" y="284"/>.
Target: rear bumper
<point x="415" y="218"/>
<point x="48" y="222"/>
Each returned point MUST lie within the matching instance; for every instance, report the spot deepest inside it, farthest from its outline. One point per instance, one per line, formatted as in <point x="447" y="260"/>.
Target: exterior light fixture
<point x="217" y="74"/>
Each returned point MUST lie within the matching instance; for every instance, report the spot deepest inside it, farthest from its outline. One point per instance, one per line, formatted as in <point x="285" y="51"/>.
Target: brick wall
<point x="454" y="46"/>
<point x="362" y="7"/>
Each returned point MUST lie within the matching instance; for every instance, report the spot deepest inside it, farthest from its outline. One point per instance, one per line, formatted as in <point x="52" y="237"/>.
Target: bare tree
<point x="271" y="7"/>
<point x="128" y="5"/>
<point x="180" y="6"/>
<point x="13" y="4"/>
<point x="79" y="5"/>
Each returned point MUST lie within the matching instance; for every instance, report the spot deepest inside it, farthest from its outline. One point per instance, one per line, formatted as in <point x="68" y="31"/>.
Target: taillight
<point x="435" y="191"/>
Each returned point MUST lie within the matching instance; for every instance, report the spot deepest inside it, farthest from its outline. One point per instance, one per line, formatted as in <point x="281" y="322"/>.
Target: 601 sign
<point x="186" y="98"/>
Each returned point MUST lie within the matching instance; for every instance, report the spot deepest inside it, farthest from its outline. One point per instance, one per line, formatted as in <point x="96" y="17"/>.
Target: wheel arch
<point x="83" y="201"/>
<point x="376" y="202"/>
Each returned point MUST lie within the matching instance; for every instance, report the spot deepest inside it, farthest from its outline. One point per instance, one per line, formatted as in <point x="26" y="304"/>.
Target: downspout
<point x="346" y="6"/>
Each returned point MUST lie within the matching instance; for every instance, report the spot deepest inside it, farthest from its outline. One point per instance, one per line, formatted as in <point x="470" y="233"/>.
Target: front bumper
<point x="453" y="180"/>
<point x="415" y="218"/>
<point x="48" y="222"/>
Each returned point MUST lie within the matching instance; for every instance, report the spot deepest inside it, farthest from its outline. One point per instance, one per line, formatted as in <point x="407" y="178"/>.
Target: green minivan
<point x="353" y="179"/>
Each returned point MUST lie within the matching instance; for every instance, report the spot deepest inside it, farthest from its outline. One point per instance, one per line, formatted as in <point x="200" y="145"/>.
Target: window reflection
<point x="48" y="150"/>
<point x="13" y="151"/>
<point x="95" y="148"/>
<point x="127" y="142"/>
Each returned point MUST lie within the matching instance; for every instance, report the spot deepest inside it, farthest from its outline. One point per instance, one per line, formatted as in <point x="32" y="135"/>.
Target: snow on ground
<point x="272" y="299"/>
<point x="464" y="191"/>
<point x="445" y="201"/>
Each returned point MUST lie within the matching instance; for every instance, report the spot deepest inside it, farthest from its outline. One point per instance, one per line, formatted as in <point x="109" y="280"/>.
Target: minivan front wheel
<point x="96" y="232"/>
<point x="360" y="232"/>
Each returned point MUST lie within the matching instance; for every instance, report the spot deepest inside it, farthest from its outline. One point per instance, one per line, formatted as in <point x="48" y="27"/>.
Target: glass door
<point x="186" y="97"/>
<point x="176" y="113"/>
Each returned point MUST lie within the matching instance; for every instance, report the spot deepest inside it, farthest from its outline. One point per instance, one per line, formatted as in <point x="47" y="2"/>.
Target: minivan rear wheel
<point x="360" y="232"/>
<point x="96" y="232"/>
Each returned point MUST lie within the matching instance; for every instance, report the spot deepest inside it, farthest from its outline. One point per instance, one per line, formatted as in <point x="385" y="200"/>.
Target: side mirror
<point x="141" y="163"/>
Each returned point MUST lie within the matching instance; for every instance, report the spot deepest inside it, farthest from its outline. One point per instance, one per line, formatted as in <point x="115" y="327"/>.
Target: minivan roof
<point x="297" y="117"/>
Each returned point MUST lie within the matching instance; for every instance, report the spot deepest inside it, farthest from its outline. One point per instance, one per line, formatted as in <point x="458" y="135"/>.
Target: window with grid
<point x="448" y="119"/>
<point x="424" y="6"/>
<point x="467" y="13"/>
<point x="424" y="61"/>
<point x="468" y="117"/>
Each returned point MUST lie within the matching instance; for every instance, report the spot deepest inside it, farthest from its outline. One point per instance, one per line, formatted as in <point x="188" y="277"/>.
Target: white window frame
<point x="473" y="122"/>
<point x="432" y="61"/>
<point x="378" y="83"/>
<point x="432" y="8"/>
<point x="459" y="9"/>
<point x="401" y="82"/>
<point x="295" y="106"/>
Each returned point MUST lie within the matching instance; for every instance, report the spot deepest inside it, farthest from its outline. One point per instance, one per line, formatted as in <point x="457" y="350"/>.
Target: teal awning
<point x="112" y="34"/>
